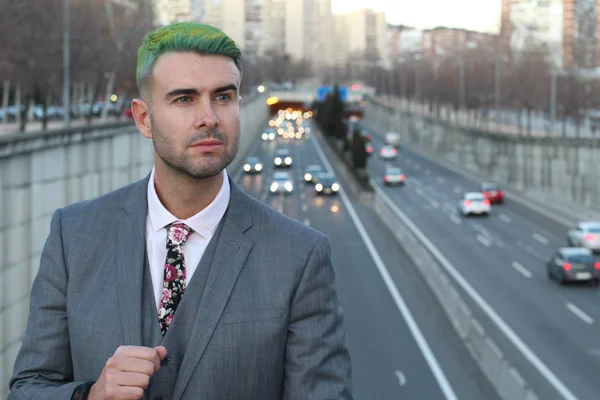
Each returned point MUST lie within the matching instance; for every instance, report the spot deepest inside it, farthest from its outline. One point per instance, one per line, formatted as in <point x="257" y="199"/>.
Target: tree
<point x="359" y="151"/>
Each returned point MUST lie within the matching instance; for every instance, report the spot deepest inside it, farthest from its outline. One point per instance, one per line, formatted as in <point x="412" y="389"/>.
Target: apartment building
<point x="569" y="29"/>
<point x="361" y="35"/>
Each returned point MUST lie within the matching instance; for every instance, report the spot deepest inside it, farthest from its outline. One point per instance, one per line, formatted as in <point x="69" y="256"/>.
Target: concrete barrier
<point x="504" y="378"/>
<point x="44" y="171"/>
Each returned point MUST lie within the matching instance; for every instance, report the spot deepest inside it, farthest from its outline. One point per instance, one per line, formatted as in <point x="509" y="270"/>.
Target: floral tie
<point x="174" y="276"/>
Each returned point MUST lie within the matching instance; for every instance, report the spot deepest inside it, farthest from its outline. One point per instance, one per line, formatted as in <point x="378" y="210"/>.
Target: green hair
<point x="185" y="37"/>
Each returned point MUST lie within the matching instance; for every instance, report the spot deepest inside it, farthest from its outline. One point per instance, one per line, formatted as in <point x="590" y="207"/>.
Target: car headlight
<point x="335" y="187"/>
<point x="274" y="186"/>
<point x="319" y="187"/>
<point x="288" y="160"/>
<point x="258" y="167"/>
<point x="247" y="167"/>
<point x="278" y="161"/>
<point x="265" y="136"/>
<point x="271" y="136"/>
<point x="307" y="177"/>
<point x="288" y="186"/>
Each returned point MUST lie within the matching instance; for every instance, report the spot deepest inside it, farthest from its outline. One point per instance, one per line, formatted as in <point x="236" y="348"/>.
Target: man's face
<point x="194" y="113"/>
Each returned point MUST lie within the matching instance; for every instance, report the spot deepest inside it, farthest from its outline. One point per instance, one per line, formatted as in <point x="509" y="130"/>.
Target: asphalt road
<point x="503" y="258"/>
<point x="402" y="347"/>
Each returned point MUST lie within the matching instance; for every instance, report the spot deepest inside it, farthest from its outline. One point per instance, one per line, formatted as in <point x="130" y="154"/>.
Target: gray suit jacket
<point x="262" y="322"/>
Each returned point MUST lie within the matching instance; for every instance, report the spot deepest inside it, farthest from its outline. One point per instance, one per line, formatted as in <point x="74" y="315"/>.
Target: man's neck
<point x="183" y="195"/>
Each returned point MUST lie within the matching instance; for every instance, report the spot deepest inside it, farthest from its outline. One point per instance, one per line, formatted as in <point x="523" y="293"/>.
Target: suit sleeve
<point x="43" y="368"/>
<point x="317" y="361"/>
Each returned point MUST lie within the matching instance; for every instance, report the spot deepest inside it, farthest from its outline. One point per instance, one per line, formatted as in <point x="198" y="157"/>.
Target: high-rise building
<point x="170" y="11"/>
<point x="444" y="41"/>
<point x="569" y="29"/>
<point x="361" y="35"/>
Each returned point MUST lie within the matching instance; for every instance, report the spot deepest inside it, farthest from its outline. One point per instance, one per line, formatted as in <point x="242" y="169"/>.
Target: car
<point x="585" y="234"/>
<point x="326" y="183"/>
<point x="367" y="135"/>
<point x="268" y="136"/>
<point x="388" y="152"/>
<point x="474" y="203"/>
<point x="493" y="192"/>
<point x="310" y="175"/>
<point x="573" y="264"/>
<point x="394" y="176"/>
<point x="253" y="165"/>
<point x="282" y="183"/>
<point x="283" y="158"/>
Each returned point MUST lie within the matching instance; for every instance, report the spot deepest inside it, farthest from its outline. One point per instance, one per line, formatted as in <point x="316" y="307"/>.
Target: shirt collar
<point x="204" y="223"/>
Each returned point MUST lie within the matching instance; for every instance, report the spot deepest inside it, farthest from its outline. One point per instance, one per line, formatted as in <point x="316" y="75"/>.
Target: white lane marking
<point x="401" y="377"/>
<point x="524" y="271"/>
<point x="484" y="241"/>
<point x="538" y="364"/>
<point x="437" y="371"/>
<point x="540" y="238"/>
<point x="306" y="222"/>
<point x="455" y="219"/>
<point x="435" y="204"/>
<point x="504" y="218"/>
<point x="457" y="190"/>
<point x="440" y="180"/>
<point x="577" y="311"/>
<point x="302" y="195"/>
<point x="419" y="191"/>
<point x="304" y="207"/>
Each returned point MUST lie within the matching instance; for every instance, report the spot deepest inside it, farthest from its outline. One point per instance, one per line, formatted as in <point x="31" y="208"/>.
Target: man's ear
<point x="141" y="114"/>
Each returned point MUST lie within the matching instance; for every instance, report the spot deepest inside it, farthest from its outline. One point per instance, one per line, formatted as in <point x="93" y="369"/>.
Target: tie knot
<point x="177" y="234"/>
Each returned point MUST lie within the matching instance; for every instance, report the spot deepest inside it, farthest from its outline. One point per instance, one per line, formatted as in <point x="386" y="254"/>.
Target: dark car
<point x="570" y="264"/>
<point x="283" y="158"/>
<point x="326" y="183"/>
<point x="310" y="175"/>
<point x="493" y="192"/>
<point x="253" y="165"/>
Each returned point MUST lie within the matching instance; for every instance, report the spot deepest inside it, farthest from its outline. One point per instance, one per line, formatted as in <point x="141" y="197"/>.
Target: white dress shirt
<point x="204" y="225"/>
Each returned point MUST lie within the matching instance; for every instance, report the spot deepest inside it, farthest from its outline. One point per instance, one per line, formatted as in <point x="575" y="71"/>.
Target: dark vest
<point x="162" y="382"/>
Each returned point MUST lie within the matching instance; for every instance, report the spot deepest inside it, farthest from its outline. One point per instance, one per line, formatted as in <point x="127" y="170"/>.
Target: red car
<point x="493" y="192"/>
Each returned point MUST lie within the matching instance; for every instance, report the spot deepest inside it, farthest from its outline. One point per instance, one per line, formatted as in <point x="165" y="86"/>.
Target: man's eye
<point x="184" y="99"/>
<point x="223" y="97"/>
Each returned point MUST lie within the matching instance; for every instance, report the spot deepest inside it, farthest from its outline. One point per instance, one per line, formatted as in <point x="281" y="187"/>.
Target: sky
<point x="477" y="15"/>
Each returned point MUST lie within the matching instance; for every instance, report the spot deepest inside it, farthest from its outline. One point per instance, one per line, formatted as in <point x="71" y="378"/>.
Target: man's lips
<point x="207" y="143"/>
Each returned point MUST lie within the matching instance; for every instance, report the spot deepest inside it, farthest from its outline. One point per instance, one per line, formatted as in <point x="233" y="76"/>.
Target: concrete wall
<point x="564" y="167"/>
<point x="42" y="172"/>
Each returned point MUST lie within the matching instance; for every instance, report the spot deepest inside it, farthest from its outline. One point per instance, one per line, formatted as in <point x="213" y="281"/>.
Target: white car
<point x="268" y="136"/>
<point x="474" y="203"/>
<point x="388" y="152"/>
<point x="282" y="183"/>
<point x="585" y="234"/>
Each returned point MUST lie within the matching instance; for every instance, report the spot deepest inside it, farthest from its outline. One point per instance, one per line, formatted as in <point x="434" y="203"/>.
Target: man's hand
<point x="127" y="373"/>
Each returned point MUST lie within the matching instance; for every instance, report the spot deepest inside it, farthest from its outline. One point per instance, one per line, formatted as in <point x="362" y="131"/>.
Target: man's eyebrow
<point x="179" y="92"/>
<point x="225" y="88"/>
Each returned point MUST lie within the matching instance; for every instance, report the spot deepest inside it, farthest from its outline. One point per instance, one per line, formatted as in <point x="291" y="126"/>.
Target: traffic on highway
<point x="401" y="343"/>
<point x="530" y="280"/>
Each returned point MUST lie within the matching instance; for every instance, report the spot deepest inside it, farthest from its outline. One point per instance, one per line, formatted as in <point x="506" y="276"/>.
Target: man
<point x="239" y="304"/>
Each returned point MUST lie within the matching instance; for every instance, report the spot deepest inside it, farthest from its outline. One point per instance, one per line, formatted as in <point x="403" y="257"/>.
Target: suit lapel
<point x="131" y="248"/>
<point x="231" y="252"/>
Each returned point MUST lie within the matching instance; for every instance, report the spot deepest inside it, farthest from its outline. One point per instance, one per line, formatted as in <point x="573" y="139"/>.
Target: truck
<point x="392" y="139"/>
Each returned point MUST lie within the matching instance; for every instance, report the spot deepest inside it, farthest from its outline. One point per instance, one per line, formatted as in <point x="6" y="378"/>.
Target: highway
<point x="552" y="333"/>
<point x="401" y="343"/>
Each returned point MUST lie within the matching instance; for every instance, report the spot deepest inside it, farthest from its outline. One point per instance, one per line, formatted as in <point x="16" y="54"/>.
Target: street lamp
<point x="66" y="62"/>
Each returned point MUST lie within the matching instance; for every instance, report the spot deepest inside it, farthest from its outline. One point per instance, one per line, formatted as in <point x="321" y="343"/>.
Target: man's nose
<point x="206" y="115"/>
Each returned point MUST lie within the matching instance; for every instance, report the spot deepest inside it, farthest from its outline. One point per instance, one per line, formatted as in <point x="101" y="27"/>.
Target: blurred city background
<point x="389" y="126"/>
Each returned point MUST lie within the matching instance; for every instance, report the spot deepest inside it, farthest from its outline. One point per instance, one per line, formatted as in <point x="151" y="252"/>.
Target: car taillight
<point x="567" y="266"/>
<point x="467" y="202"/>
<point x="486" y="202"/>
<point x="386" y="178"/>
<point x="486" y="194"/>
<point x="597" y="265"/>
<point x="395" y="151"/>
<point x="590" y="237"/>
<point x="402" y="177"/>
